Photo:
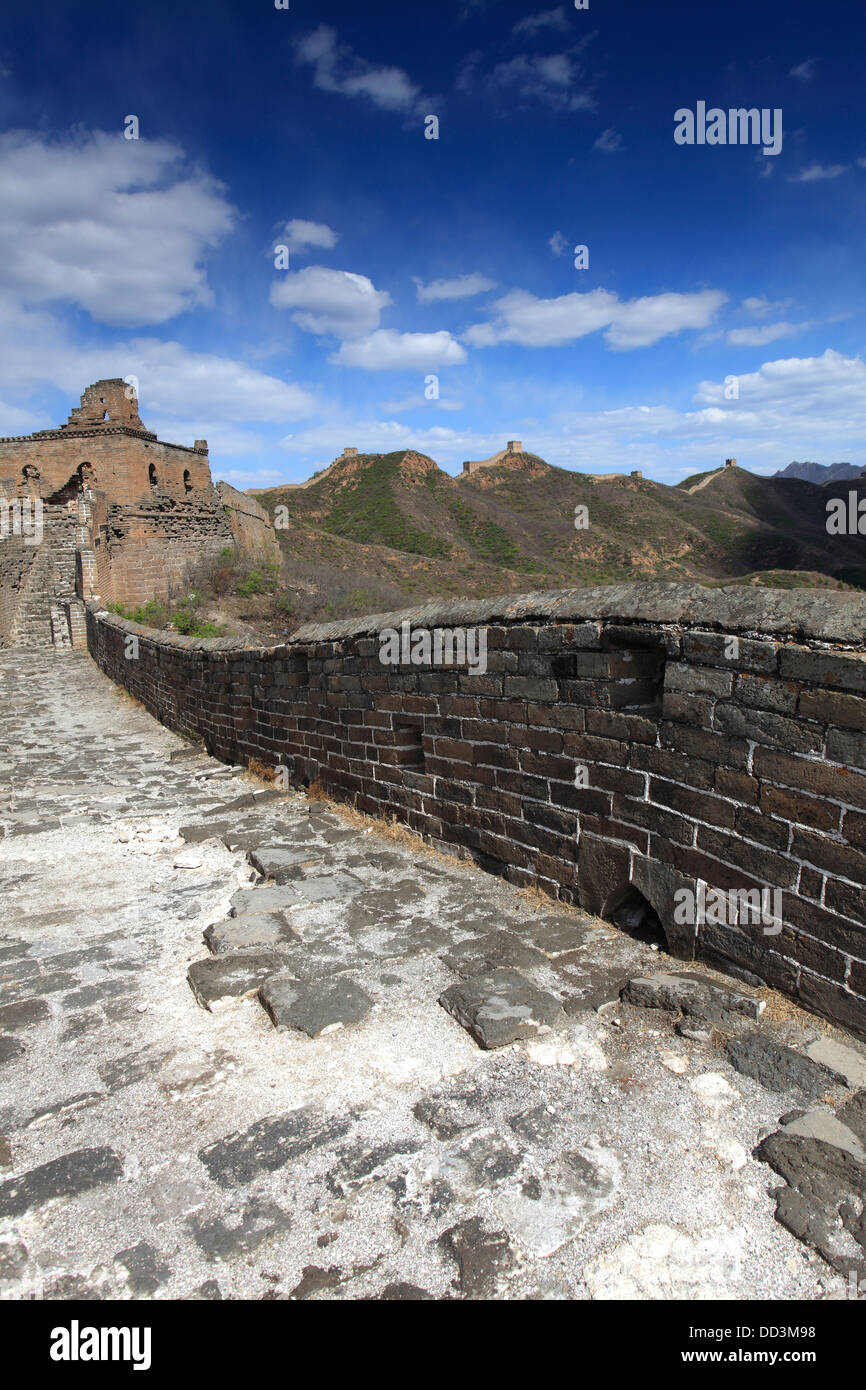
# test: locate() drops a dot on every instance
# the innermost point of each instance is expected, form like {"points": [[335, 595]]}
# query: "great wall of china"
{"points": [[719, 733]]}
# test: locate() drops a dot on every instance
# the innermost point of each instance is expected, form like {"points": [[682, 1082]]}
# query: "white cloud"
{"points": [[553, 79], [420, 402], [461, 287], [642, 322], [115, 227], [804, 71], [816, 173], [390, 351], [335, 302], [609, 141], [299, 234], [558, 244], [546, 19], [337, 69], [522, 318], [759, 308], [760, 335]]}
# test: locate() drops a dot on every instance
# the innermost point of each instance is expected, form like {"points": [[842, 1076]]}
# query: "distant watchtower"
{"points": [[515, 446], [730, 463]]}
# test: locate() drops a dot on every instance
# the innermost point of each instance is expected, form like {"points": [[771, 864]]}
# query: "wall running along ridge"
{"points": [[744, 772]]}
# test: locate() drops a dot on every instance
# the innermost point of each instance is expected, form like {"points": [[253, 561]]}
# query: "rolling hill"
{"points": [[396, 525]]}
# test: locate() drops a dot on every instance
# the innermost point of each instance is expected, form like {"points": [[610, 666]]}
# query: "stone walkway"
{"points": [[162, 1140]]}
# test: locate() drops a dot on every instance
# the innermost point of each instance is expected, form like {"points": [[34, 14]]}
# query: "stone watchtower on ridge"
{"points": [[123, 514]]}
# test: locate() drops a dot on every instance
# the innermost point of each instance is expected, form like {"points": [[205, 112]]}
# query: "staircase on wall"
{"points": [[41, 617]]}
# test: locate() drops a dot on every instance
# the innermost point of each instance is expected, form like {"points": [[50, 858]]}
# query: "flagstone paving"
{"points": [[439, 1093]]}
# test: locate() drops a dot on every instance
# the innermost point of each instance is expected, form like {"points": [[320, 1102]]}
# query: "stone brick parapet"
{"points": [[632, 744]]}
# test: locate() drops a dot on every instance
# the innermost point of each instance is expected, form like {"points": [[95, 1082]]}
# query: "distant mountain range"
{"points": [[396, 523], [822, 472]]}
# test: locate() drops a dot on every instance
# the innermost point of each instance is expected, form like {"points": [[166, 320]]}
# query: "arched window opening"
{"points": [[187, 481], [151, 475]]}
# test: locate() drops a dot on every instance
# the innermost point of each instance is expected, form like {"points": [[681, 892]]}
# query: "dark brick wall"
{"points": [[745, 769]]}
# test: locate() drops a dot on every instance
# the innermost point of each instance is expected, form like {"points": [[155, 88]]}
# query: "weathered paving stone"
{"points": [[207, 830], [360, 1161], [405, 1293], [134, 1067], [822, 1158], [274, 898], [777, 1067], [552, 1207], [207, 1292], [10, 1048], [281, 862], [255, 931], [446, 1117], [314, 1279], [501, 1007], [841, 1062], [558, 938], [482, 1257], [690, 994], [256, 1223], [5, 1152], [145, 1271], [97, 993], [314, 1007], [68, 1176], [497, 949], [230, 977], [13, 1260], [18, 992], [26, 1013], [270, 1143], [317, 890]]}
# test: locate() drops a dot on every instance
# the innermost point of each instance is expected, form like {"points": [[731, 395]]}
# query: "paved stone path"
{"points": [[158, 1140]]}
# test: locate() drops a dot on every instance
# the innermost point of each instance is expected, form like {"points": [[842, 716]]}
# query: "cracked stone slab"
{"points": [[253, 931], [10, 1048], [317, 890], [273, 898], [313, 1007], [24, 1014], [496, 949], [690, 994], [269, 1144], [230, 977], [500, 1007], [776, 1066], [281, 862], [68, 1176]]}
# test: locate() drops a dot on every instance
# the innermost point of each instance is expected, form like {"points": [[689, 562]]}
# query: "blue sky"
{"points": [[721, 313]]}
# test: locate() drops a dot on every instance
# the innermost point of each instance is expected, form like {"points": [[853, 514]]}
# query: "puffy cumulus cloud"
{"points": [[115, 227], [642, 322], [334, 302], [522, 318], [389, 351], [532, 322], [461, 287], [829, 391], [175, 381], [558, 244], [337, 69], [298, 234]]}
